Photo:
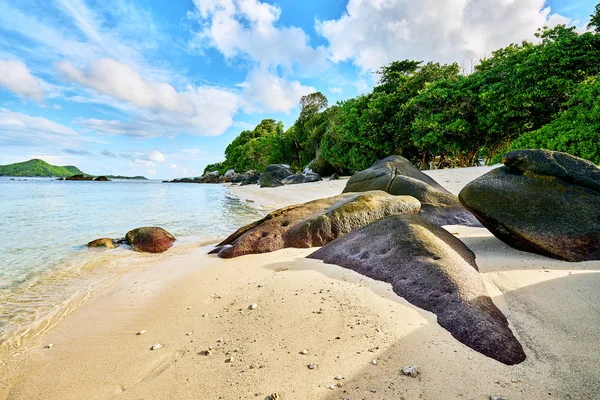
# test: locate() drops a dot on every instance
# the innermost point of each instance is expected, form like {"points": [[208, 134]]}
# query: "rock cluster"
{"points": [[149, 239], [274, 175], [314, 223], [397, 176]]}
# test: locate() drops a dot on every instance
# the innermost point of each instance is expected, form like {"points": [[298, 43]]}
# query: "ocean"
{"points": [[46, 270]]}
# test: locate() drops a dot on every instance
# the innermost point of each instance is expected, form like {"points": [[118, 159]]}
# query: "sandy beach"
{"points": [[213, 346]]}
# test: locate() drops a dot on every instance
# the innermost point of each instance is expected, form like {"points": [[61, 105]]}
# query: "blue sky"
{"points": [[161, 88]]}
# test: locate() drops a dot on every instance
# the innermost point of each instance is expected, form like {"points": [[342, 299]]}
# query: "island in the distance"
{"points": [[40, 168]]}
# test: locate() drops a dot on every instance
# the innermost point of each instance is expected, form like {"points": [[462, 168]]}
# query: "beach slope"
{"points": [[238, 328]]}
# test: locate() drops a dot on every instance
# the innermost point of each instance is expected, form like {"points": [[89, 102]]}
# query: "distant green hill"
{"points": [[37, 168]]}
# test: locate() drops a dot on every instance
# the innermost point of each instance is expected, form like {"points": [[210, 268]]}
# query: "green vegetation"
{"points": [[40, 168], [527, 95], [37, 168]]}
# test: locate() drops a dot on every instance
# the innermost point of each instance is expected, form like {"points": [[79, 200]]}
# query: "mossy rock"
{"points": [[314, 223], [397, 176]]}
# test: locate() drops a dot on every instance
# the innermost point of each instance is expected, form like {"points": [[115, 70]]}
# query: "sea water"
{"points": [[45, 268]]}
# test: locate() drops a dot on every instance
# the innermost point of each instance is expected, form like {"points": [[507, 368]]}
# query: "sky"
{"points": [[155, 88]]}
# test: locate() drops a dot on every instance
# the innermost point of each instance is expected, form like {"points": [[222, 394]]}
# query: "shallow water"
{"points": [[45, 268]]}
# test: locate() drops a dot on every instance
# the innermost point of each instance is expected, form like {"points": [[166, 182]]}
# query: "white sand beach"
{"points": [[191, 302]]}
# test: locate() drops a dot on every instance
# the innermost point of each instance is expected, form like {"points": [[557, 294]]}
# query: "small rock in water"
{"points": [[253, 306], [304, 352], [497, 397], [410, 370], [156, 346], [49, 346], [141, 332], [312, 366], [374, 362]]}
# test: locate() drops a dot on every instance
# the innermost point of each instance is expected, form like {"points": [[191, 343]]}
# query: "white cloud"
{"points": [[123, 82], [15, 76], [22, 129], [374, 33], [19, 121], [336, 90], [157, 107], [157, 156], [265, 91], [246, 28]]}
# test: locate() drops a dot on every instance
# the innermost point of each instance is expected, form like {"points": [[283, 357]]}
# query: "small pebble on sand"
{"points": [[338, 378], [253, 306], [49, 346], [156, 346], [229, 359], [410, 370], [189, 333], [312, 366], [141, 332], [304, 352], [374, 362]]}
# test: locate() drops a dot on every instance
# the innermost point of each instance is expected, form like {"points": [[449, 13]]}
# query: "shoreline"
{"points": [[306, 304]]}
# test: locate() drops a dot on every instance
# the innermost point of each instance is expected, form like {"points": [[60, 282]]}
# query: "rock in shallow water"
{"points": [[150, 239], [433, 270], [103, 242], [543, 202], [314, 223]]}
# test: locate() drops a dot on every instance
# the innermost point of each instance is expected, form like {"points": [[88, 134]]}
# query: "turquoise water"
{"points": [[45, 268]]}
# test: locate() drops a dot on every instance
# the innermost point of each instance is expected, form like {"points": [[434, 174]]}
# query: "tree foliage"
{"points": [[530, 95], [576, 130]]}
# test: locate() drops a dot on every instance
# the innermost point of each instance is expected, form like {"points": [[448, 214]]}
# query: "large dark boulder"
{"points": [[267, 179], [149, 239], [279, 171], [211, 177], [397, 176], [250, 179], [102, 179], [541, 201], [314, 223], [433, 270], [301, 178], [78, 177], [381, 176]]}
